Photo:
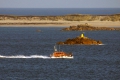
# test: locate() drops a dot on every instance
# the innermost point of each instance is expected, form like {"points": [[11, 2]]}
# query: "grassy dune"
{"points": [[63, 20]]}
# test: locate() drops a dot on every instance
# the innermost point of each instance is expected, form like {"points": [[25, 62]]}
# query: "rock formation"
{"points": [[82, 40], [86, 27]]}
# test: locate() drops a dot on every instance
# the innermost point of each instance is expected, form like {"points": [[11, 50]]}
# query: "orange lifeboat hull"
{"points": [[61, 55]]}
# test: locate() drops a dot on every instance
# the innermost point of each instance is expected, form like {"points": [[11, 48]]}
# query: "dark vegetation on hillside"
{"points": [[72, 17]]}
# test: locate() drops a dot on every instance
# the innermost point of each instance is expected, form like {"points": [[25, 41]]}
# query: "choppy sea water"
{"points": [[24, 55]]}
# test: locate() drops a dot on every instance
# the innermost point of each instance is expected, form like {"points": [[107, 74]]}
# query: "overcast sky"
{"points": [[59, 3]]}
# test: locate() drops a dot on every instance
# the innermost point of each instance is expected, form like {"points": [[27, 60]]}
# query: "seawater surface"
{"points": [[58, 11], [24, 55]]}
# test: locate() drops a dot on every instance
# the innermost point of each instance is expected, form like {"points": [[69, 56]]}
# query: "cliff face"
{"points": [[73, 17], [85, 27], [80, 40]]}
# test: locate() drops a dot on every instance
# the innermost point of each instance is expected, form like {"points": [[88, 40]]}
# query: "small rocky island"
{"points": [[86, 27], [82, 40]]}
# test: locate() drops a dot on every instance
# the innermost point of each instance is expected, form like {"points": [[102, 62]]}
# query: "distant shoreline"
{"points": [[63, 21], [11, 23]]}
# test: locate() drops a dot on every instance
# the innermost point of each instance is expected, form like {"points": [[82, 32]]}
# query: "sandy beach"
{"points": [[48, 23]]}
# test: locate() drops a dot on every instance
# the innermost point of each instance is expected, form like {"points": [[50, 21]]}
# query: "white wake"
{"points": [[101, 44], [23, 56]]}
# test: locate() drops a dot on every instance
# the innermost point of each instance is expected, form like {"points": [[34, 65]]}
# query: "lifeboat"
{"points": [[60, 54]]}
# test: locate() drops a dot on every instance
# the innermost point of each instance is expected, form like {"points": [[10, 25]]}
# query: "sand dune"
{"points": [[61, 23]]}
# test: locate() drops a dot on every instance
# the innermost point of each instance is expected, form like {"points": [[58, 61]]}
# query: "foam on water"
{"points": [[23, 56], [33, 56], [101, 44]]}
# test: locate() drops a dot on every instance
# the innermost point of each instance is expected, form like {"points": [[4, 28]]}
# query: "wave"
{"points": [[101, 44], [23, 56]]}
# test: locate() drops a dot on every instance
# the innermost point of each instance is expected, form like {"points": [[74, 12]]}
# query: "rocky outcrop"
{"points": [[86, 27], [80, 40]]}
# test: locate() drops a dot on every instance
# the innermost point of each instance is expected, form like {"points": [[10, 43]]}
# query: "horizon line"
{"points": [[64, 8]]}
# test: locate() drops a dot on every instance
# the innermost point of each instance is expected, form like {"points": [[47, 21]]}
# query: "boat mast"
{"points": [[55, 49], [59, 48]]}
